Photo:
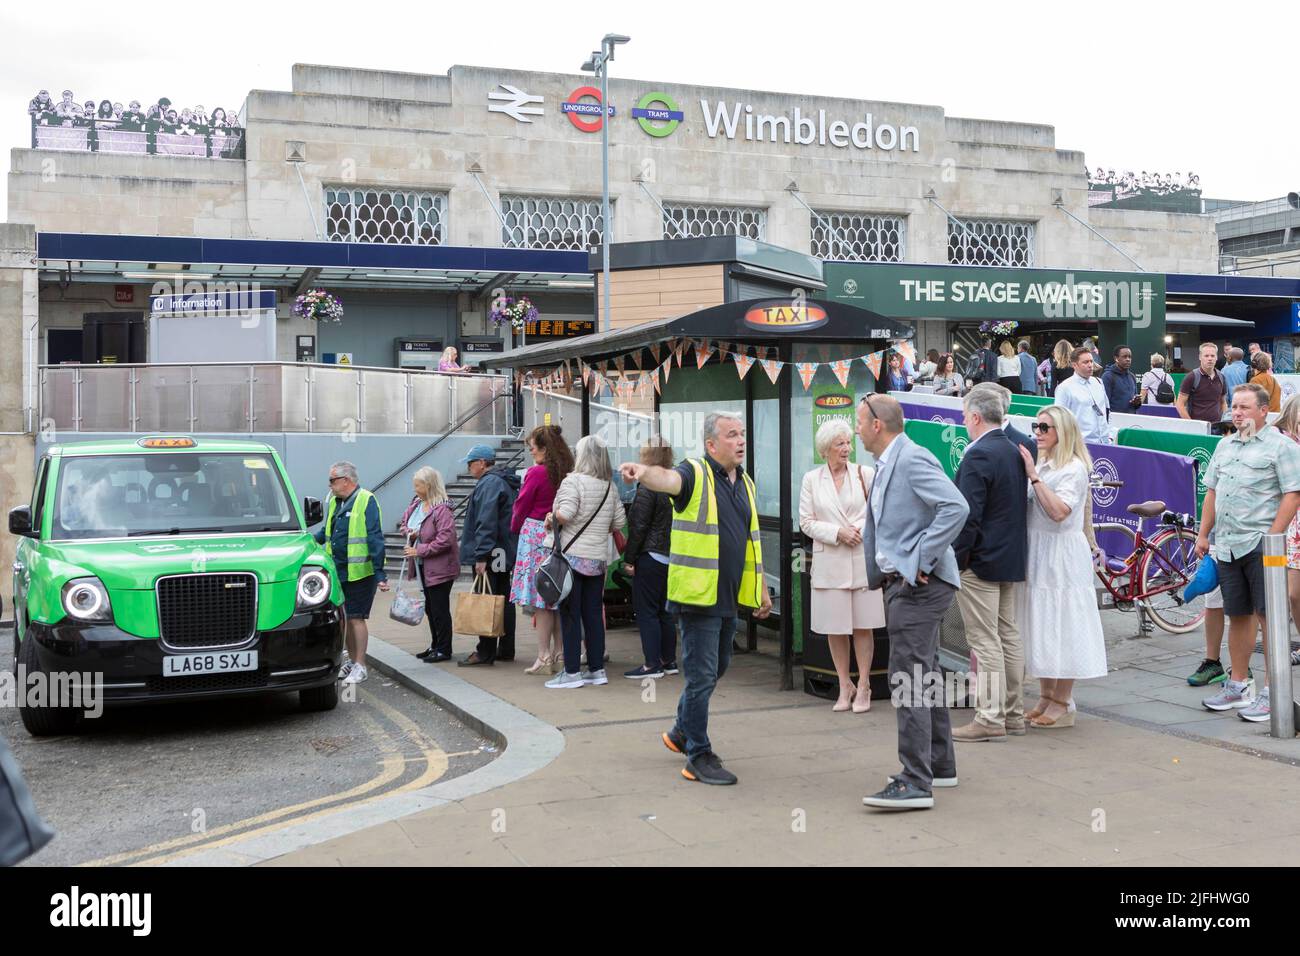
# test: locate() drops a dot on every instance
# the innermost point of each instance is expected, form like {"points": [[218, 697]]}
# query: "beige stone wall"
{"points": [[18, 315], [379, 128]]}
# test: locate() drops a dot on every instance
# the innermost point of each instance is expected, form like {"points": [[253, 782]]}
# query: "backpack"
{"points": [[1165, 390]]}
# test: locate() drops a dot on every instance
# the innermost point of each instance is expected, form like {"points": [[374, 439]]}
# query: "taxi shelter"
{"points": [[783, 364]]}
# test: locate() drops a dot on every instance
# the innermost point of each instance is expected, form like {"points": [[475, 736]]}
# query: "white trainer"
{"points": [[356, 675]]}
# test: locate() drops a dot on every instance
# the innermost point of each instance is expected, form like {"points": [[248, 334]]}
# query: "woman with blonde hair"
{"points": [[430, 527], [1061, 366], [832, 511], [1008, 367], [448, 361], [1056, 608]]}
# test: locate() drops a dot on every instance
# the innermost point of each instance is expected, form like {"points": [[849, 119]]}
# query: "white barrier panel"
{"points": [[1290, 385], [1155, 423], [923, 398]]}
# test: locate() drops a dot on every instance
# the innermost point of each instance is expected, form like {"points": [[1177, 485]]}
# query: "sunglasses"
{"points": [[1041, 428], [334, 478]]}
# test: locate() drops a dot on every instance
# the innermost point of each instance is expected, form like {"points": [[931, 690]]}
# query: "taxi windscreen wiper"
{"points": [[163, 531]]}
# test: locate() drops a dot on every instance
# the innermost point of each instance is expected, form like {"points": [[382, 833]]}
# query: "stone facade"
{"points": [[368, 128]]}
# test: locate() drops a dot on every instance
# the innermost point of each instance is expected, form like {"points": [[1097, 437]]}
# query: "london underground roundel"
{"points": [[656, 107], [585, 116]]}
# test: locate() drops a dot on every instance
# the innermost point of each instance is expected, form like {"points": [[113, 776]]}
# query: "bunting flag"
{"points": [[604, 366], [655, 378], [636, 359], [678, 345], [841, 369], [874, 361], [743, 364], [807, 370], [654, 350], [618, 364], [668, 368], [702, 354], [773, 368], [908, 351]]}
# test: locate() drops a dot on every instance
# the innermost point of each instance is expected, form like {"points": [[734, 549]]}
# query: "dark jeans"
{"points": [[706, 652], [924, 732], [487, 648], [649, 595], [437, 608], [582, 616]]}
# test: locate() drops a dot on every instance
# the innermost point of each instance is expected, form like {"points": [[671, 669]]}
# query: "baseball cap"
{"points": [[480, 453]]}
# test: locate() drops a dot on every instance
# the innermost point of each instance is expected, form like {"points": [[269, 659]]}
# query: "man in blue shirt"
{"points": [[1235, 372], [1028, 370], [359, 593], [1122, 391]]}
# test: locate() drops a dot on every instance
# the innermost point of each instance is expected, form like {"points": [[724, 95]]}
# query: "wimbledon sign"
{"points": [[740, 120]]}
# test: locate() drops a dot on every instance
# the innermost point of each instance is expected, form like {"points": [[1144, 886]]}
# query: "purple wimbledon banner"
{"points": [[1163, 411], [916, 412]]}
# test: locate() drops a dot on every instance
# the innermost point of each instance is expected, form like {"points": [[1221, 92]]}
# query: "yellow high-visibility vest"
{"points": [[693, 547], [359, 563]]}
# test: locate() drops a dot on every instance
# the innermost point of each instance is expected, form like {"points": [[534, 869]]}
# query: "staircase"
{"points": [[511, 453]]}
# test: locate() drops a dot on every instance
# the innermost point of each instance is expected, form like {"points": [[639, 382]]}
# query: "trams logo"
{"points": [[654, 108], [1105, 469]]}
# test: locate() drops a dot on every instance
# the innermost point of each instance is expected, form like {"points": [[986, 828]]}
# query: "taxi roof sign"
{"points": [[166, 443]]}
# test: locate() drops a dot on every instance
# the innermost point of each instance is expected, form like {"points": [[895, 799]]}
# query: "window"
{"points": [[1259, 242], [991, 242], [548, 222], [385, 215], [689, 221], [857, 237]]}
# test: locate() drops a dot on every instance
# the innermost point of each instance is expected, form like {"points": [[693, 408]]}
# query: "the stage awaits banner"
{"points": [[1199, 448]]}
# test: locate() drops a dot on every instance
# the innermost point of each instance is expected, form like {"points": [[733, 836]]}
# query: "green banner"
{"points": [[1199, 447], [1025, 408], [1030, 295], [946, 442], [1039, 401], [831, 401]]}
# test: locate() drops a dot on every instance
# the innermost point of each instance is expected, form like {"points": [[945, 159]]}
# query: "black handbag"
{"points": [[22, 831], [554, 578]]}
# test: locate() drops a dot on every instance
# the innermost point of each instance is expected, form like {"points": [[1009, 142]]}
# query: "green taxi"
{"points": [[172, 568]]}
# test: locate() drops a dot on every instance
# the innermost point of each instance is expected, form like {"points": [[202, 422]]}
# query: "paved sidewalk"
{"points": [[1109, 792]]}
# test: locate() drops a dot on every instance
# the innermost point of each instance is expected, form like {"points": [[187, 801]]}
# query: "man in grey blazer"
{"points": [[914, 514]]}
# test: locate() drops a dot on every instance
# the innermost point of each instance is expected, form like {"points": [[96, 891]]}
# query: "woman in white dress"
{"points": [[1057, 607], [832, 511]]}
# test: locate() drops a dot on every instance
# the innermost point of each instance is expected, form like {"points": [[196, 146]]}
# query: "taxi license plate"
{"points": [[187, 665]]}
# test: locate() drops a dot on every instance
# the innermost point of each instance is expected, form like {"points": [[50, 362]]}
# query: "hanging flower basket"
{"points": [[319, 305], [999, 328], [515, 311]]}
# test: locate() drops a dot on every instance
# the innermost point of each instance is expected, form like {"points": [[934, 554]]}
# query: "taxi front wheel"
{"points": [[44, 719], [319, 698]]}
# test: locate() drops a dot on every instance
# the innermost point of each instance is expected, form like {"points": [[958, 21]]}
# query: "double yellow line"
{"points": [[392, 766]]}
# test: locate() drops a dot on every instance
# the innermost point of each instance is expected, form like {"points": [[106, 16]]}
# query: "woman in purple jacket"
{"points": [[431, 539]]}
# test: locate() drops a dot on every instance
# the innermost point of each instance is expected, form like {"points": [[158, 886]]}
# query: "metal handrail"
{"points": [[464, 419]]}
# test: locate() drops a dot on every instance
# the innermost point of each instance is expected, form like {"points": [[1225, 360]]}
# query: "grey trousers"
{"points": [[924, 729]]}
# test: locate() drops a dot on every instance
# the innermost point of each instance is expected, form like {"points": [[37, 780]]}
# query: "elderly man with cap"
{"points": [[354, 534], [486, 542]]}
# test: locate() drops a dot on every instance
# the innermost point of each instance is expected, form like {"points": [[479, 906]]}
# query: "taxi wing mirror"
{"points": [[311, 509], [20, 521]]}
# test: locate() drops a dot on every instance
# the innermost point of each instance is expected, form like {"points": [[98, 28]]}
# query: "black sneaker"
{"points": [[707, 768], [671, 668], [425, 654], [642, 672], [900, 795], [675, 741], [1210, 672]]}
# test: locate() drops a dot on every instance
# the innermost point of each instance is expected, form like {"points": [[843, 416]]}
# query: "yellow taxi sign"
{"points": [[166, 443]]}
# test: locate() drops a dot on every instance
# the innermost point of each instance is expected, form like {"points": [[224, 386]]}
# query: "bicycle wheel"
{"points": [[1167, 568]]}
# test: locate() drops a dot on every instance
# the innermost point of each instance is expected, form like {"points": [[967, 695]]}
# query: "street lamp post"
{"points": [[598, 63]]}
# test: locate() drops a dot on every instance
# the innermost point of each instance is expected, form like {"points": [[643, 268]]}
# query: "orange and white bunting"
{"points": [[618, 364], [654, 378], [807, 371], [773, 368], [654, 350], [668, 368], [703, 352], [743, 364], [908, 351], [841, 369], [874, 361], [678, 346]]}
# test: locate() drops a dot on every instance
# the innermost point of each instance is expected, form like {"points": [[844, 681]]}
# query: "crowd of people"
{"points": [[162, 116], [1009, 539], [1129, 182]]}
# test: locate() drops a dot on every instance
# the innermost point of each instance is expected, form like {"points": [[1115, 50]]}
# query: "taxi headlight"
{"points": [[86, 599], [313, 587]]}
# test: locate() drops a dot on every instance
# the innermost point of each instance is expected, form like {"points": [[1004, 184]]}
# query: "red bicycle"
{"points": [[1158, 569]]}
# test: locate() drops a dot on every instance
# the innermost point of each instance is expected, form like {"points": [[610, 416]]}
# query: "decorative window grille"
{"points": [[385, 215], [857, 237], [548, 222], [682, 220], [1000, 242]]}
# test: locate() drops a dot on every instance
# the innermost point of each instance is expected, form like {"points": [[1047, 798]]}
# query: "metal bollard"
{"points": [[1282, 717]]}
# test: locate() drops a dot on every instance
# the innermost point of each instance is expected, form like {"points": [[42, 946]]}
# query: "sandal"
{"points": [[537, 666], [862, 708], [1055, 723], [1038, 709]]}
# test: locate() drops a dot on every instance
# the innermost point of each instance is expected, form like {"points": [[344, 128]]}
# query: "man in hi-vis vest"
{"points": [[715, 567], [354, 534]]}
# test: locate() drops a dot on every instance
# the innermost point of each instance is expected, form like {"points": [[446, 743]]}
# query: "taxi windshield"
{"points": [[109, 496]]}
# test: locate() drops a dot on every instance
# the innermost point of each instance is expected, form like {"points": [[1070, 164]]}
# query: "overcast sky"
{"points": [[1202, 87]]}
